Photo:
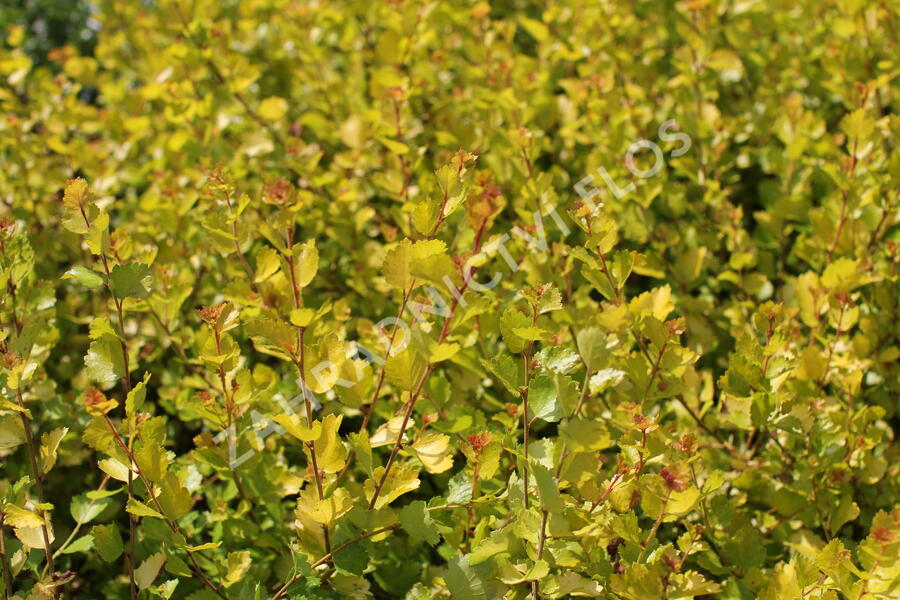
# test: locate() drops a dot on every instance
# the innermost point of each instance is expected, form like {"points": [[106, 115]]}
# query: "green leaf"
{"points": [[858, 125], [139, 509], [691, 584], [352, 559], [605, 379], [107, 541], [19, 517], [434, 451], [84, 511], [400, 480], [98, 436], [152, 461], [504, 369], [274, 335], [418, 523], [77, 194], [539, 570], [306, 262], [548, 488], [145, 574], [97, 237], [463, 581], [847, 510], [104, 362], [510, 321], [296, 426], [85, 277], [267, 264], [302, 317], [459, 489], [81, 544], [136, 397], [592, 347], [582, 435], [543, 400], [12, 433], [102, 328], [411, 264], [535, 29], [558, 359], [128, 281], [530, 333], [833, 557], [405, 369], [330, 451], [174, 498], [393, 145], [238, 563], [746, 549]]}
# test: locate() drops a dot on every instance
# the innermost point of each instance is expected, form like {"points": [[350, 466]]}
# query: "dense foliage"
{"points": [[408, 299]]}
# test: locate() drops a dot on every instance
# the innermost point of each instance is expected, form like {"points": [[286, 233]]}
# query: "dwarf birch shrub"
{"points": [[423, 300]]}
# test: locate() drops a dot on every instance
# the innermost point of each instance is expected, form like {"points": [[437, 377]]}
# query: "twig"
{"points": [[526, 423], [173, 526], [328, 557], [445, 331], [300, 363], [656, 524], [4, 558], [381, 376], [38, 477]]}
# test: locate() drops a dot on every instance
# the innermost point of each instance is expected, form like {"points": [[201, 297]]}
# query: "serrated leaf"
{"points": [[330, 451], [104, 362], [463, 581], [543, 401], [135, 399], [388, 432], [97, 238], [433, 449], [238, 563], [19, 517], [77, 194], [504, 369], [267, 264], [582, 435], [85, 277], [81, 544], [548, 489], [12, 433], [102, 328], [49, 445], [592, 347], [405, 369], [145, 574], [417, 522], [296, 426], [84, 511], [273, 334], [400, 480], [306, 262], [128, 280], [139, 509], [107, 541], [174, 498], [152, 461]]}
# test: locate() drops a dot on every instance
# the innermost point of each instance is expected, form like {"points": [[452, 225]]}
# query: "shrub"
{"points": [[425, 300]]}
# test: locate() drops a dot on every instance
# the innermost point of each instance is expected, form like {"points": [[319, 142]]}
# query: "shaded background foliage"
{"points": [[725, 338], [50, 24]]}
